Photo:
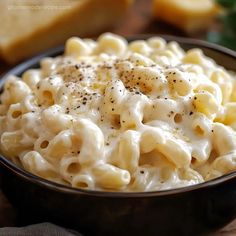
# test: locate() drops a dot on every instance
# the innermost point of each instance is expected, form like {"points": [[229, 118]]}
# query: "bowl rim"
{"points": [[114, 194]]}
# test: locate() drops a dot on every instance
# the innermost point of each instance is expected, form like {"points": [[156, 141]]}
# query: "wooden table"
{"points": [[137, 21]]}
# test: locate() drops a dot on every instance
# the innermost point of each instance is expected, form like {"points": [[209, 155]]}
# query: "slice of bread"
{"points": [[31, 26]]}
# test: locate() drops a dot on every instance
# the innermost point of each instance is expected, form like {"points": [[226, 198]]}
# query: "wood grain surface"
{"points": [[137, 21]]}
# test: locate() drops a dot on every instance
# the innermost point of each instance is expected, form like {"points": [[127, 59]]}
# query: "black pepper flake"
{"points": [[84, 103], [112, 87], [76, 67], [165, 98], [107, 143], [141, 172], [112, 109], [78, 152], [195, 98], [136, 92], [190, 113], [212, 130], [67, 110], [174, 80]]}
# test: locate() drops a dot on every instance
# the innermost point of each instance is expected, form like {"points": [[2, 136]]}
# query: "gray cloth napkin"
{"points": [[44, 229]]}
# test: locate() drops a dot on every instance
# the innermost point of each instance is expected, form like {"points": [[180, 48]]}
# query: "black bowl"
{"points": [[193, 210]]}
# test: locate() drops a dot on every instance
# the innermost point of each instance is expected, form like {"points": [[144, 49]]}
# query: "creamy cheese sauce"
{"points": [[109, 115]]}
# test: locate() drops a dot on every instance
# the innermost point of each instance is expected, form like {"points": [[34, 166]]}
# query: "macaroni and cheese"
{"points": [[119, 116]]}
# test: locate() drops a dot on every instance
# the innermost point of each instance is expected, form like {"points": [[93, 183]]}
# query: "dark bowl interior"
{"points": [[193, 210]]}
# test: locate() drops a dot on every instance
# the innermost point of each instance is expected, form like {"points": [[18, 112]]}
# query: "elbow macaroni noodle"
{"points": [[118, 116]]}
